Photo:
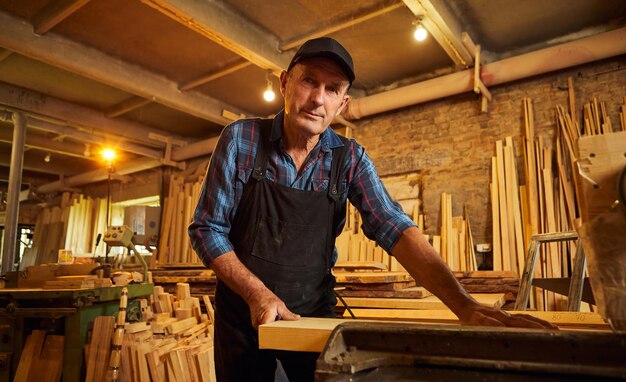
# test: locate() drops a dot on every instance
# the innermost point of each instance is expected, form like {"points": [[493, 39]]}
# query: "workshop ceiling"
{"points": [[184, 68]]}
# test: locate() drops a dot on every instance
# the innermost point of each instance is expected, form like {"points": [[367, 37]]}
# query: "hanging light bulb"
{"points": [[268, 94], [108, 155], [47, 158], [420, 33]]}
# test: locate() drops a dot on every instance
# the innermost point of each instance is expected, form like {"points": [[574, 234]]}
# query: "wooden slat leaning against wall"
{"points": [[550, 200], [74, 224]]}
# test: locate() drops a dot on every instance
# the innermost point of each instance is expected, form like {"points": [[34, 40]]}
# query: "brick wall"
{"points": [[451, 143]]}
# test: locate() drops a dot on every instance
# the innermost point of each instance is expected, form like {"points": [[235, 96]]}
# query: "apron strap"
{"points": [[262, 151]]}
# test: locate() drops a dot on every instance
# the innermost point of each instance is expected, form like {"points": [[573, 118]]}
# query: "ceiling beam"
{"points": [[55, 12], [336, 26], [216, 21], [37, 164], [42, 142], [91, 63], [95, 140], [4, 53], [86, 119], [213, 75], [126, 106], [444, 28], [126, 168]]}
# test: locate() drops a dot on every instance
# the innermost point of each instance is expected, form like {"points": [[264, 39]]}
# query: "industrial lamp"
{"points": [[420, 32], [268, 94]]}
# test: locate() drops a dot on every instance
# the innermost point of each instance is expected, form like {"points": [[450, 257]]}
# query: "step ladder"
{"points": [[578, 273]]}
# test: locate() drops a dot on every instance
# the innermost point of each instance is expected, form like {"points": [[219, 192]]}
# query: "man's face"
{"points": [[315, 92]]}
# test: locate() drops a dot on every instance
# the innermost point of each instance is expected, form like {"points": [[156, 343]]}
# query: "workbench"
{"points": [[77, 307]]}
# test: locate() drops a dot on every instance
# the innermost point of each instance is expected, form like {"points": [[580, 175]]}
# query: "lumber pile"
{"points": [[352, 244], [178, 208], [456, 244], [550, 200], [41, 359], [172, 342], [74, 224], [201, 281]]}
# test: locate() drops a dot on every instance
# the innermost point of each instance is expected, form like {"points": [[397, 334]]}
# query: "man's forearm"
{"points": [[230, 270], [420, 259]]}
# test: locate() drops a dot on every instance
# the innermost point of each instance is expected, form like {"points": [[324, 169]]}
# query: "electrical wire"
{"points": [[344, 304]]}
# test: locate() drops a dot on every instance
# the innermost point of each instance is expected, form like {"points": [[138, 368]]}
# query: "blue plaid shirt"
{"points": [[231, 166]]}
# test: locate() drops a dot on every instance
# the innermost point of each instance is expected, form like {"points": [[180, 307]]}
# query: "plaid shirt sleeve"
{"points": [[383, 218], [211, 220]]}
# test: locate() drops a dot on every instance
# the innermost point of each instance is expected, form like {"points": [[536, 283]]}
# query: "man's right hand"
{"points": [[266, 307]]}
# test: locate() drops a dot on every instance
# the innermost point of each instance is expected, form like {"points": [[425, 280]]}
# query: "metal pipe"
{"points": [[13, 197], [589, 49]]}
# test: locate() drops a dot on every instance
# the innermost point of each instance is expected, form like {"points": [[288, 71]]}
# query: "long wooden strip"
{"points": [[30, 353], [371, 277], [506, 239], [432, 302], [495, 217], [311, 334]]}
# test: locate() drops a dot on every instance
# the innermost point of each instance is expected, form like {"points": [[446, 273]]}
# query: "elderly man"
{"points": [[272, 204]]}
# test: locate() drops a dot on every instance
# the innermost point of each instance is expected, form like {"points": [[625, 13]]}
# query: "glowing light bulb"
{"points": [[420, 33], [47, 158], [268, 94], [108, 155]]}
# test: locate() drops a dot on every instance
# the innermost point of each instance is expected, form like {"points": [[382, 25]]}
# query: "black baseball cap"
{"points": [[328, 48]]}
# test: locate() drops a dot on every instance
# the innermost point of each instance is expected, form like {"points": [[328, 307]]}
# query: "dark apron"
{"points": [[286, 237]]}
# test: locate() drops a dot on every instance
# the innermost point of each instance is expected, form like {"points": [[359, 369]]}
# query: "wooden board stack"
{"points": [[550, 200], [354, 246], [41, 359], [75, 225], [178, 209], [174, 342], [456, 244]]}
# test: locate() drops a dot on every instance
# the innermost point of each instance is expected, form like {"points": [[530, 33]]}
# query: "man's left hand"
{"points": [[485, 316]]}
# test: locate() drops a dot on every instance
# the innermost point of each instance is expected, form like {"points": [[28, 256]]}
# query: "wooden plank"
{"points": [[565, 320], [502, 201], [412, 292], [30, 354], [371, 277], [511, 191], [379, 286], [311, 334], [432, 302], [182, 325], [209, 308], [100, 348], [306, 334], [355, 265]]}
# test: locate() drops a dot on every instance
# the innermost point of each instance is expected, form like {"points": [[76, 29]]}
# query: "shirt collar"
{"points": [[328, 139]]}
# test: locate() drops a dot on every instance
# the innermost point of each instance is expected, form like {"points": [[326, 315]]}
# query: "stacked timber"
{"points": [[173, 342], [41, 359], [456, 244], [178, 208], [201, 281], [550, 200], [74, 224], [352, 244]]}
